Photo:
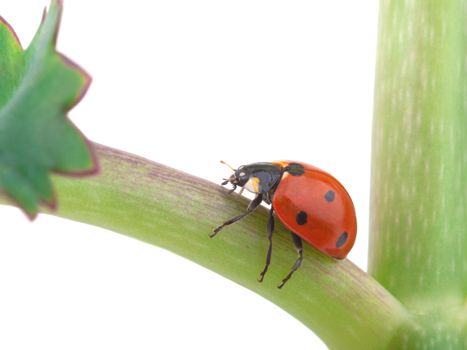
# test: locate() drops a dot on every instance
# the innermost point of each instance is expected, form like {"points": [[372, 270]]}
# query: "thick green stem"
{"points": [[162, 206], [419, 184]]}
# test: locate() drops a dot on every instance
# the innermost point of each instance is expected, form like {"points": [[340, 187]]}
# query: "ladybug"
{"points": [[311, 203]]}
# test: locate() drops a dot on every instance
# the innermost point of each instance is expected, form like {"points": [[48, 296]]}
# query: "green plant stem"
{"points": [[176, 211], [419, 158], [418, 206]]}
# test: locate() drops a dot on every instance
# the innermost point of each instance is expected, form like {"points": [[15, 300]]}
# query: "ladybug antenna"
{"points": [[228, 165]]}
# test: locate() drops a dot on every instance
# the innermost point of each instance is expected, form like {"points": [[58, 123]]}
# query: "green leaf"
{"points": [[37, 88]]}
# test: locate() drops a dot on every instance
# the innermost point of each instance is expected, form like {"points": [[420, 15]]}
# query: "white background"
{"points": [[187, 83]]}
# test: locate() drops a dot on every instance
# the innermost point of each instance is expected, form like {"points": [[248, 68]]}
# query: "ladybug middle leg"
{"points": [[268, 256], [297, 241], [251, 208]]}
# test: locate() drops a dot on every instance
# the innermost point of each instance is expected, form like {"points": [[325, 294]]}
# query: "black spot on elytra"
{"points": [[342, 239], [301, 218], [295, 169], [330, 195]]}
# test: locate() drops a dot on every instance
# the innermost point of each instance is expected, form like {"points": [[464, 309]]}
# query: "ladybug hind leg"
{"points": [[297, 241], [268, 255], [251, 208]]}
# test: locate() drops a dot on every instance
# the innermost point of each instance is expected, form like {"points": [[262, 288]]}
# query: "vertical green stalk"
{"points": [[418, 240]]}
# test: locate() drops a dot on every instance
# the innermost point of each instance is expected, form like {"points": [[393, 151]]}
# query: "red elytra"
{"points": [[311, 203], [316, 206]]}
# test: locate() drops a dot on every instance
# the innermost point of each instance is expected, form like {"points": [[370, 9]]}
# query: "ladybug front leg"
{"points": [[297, 241], [251, 208], [268, 256]]}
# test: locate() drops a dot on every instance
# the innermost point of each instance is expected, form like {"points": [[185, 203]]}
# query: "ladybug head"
{"points": [[239, 178], [256, 177]]}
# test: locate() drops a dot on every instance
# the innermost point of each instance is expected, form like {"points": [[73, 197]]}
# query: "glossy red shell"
{"points": [[315, 206]]}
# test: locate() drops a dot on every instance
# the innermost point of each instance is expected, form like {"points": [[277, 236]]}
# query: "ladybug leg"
{"points": [[251, 208], [268, 256], [232, 189], [297, 241]]}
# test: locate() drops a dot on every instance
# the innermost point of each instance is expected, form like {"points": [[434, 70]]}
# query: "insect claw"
{"points": [[233, 189], [215, 231]]}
